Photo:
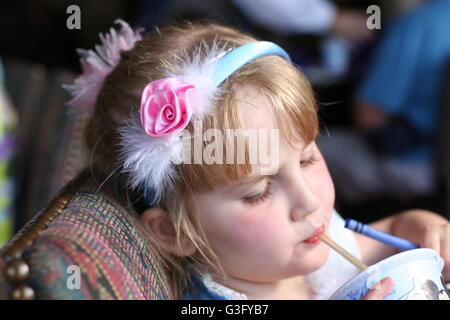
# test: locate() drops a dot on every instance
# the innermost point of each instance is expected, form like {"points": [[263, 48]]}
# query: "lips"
{"points": [[315, 235]]}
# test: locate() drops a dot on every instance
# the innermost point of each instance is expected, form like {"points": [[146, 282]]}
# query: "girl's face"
{"points": [[258, 229]]}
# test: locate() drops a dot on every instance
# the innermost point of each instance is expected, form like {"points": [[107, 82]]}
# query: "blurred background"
{"points": [[382, 92]]}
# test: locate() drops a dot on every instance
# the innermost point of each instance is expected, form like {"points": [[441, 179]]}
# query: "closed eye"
{"points": [[254, 200], [308, 162]]}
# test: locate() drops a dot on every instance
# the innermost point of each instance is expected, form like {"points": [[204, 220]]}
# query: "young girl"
{"points": [[228, 227]]}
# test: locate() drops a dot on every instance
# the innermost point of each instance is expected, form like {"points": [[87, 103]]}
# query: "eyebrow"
{"points": [[249, 180], [255, 179]]}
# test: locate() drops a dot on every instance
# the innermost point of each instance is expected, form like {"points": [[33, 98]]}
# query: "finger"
{"points": [[432, 240], [446, 275], [445, 244], [380, 290], [445, 253]]}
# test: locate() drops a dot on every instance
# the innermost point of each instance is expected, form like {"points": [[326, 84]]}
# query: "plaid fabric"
{"points": [[49, 138], [96, 236], [95, 232]]}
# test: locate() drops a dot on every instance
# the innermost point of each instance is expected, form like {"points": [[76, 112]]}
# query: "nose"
{"points": [[305, 200]]}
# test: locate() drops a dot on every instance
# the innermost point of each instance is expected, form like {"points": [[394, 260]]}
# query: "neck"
{"points": [[295, 288]]}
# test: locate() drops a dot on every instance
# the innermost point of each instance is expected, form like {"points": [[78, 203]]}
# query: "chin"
{"points": [[315, 259]]}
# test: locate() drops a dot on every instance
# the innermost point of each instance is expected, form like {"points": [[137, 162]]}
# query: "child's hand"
{"points": [[427, 229], [380, 290], [437, 237]]}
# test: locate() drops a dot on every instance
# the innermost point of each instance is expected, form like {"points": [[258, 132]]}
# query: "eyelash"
{"points": [[260, 197], [306, 163], [268, 191]]}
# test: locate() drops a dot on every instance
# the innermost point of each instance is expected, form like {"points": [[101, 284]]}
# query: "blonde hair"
{"points": [[287, 90]]}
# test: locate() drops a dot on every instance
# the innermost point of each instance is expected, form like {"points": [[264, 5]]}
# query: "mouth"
{"points": [[315, 235]]}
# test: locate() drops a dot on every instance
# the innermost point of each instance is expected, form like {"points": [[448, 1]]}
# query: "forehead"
{"points": [[256, 110], [258, 113]]}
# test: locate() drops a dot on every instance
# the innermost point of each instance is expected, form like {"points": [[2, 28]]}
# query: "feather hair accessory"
{"points": [[96, 65], [152, 143]]}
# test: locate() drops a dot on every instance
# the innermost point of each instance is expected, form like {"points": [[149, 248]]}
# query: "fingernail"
{"points": [[378, 285]]}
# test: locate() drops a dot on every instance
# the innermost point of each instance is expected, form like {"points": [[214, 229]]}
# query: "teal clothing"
{"points": [[408, 69]]}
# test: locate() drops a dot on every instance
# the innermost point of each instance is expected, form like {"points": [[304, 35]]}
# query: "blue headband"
{"points": [[242, 55], [225, 67]]}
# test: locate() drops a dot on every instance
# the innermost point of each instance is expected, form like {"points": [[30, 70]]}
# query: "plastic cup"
{"points": [[416, 274]]}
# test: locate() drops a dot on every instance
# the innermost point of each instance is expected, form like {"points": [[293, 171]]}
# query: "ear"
{"points": [[158, 223]]}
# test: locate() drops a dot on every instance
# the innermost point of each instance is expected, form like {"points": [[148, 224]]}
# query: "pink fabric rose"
{"points": [[165, 106]]}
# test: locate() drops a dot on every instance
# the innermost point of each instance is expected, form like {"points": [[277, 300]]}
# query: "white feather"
{"points": [[149, 159], [198, 69]]}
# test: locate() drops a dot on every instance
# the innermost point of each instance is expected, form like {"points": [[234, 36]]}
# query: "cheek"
{"points": [[252, 230], [323, 184]]}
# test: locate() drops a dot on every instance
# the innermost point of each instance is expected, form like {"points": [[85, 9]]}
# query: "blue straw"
{"points": [[393, 241]]}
